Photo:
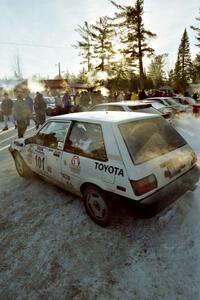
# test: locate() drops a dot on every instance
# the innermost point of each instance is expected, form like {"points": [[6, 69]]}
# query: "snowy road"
{"points": [[49, 248]]}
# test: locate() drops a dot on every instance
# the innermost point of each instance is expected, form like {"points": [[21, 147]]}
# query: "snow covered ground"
{"points": [[49, 248]]}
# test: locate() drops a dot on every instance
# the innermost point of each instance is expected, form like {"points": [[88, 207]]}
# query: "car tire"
{"points": [[21, 167], [98, 208]]}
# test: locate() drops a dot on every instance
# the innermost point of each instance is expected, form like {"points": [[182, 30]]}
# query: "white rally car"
{"points": [[103, 155]]}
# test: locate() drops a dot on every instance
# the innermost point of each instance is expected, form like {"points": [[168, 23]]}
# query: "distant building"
{"points": [[54, 86]]}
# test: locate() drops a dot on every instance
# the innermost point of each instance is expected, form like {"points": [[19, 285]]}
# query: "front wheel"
{"points": [[21, 167], [97, 207]]}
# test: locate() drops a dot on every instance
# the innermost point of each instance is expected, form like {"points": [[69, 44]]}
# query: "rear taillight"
{"points": [[144, 185]]}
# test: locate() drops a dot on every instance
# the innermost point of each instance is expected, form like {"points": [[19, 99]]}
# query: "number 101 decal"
{"points": [[39, 161]]}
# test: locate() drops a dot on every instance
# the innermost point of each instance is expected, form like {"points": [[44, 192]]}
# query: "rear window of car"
{"points": [[149, 110], [150, 138], [107, 108]]}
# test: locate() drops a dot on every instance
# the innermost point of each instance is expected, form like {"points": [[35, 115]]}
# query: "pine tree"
{"points": [[183, 66], [85, 44], [101, 35], [196, 69], [170, 77], [197, 29], [156, 71], [135, 35]]}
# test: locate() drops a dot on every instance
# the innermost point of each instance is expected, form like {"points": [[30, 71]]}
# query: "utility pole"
{"points": [[59, 72]]}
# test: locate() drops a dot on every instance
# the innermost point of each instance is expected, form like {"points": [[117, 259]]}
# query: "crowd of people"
{"points": [[20, 111]]}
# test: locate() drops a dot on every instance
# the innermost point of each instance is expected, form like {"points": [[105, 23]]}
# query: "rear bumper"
{"points": [[170, 193]]}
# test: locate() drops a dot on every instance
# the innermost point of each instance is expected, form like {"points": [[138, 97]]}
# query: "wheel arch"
{"points": [[89, 183]]}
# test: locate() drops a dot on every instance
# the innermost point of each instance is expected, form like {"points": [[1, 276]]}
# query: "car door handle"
{"points": [[56, 153]]}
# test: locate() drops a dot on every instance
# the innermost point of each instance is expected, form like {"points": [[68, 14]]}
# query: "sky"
{"points": [[42, 33]]}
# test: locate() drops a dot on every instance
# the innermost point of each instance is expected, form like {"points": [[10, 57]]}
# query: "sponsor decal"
{"points": [[65, 176], [75, 164], [29, 154], [60, 145], [109, 169], [39, 162], [172, 167], [39, 149]]}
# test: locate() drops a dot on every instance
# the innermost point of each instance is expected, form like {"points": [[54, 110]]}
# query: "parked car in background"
{"points": [[108, 156], [190, 103], [167, 101], [53, 110], [131, 106], [51, 106], [185, 100], [164, 109]]}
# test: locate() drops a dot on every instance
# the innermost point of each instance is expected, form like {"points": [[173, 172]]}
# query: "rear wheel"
{"points": [[97, 207], [21, 167]]}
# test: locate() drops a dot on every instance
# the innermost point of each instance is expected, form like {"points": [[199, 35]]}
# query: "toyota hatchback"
{"points": [[103, 156]]}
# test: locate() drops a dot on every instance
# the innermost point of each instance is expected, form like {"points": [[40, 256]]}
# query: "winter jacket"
{"points": [[6, 107], [19, 110]]}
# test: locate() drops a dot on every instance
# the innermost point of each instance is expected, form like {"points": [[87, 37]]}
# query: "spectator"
{"points": [[134, 96], [121, 96], [66, 100], [85, 99], [186, 94], [165, 93], [20, 114], [142, 95], [7, 106], [40, 109], [29, 107], [77, 99], [195, 96]]}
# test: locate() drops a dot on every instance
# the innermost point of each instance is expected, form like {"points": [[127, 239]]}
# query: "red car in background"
{"points": [[190, 102]]}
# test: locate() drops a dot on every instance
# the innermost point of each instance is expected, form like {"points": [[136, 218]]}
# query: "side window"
{"points": [[100, 108], [53, 134], [86, 139], [115, 108]]}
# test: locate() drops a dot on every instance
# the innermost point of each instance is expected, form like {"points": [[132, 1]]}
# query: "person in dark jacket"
{"points": [[20, 114], [142, 95], [66, 100], [40, 109], [29, 107], [195, 96], [7, 107]]}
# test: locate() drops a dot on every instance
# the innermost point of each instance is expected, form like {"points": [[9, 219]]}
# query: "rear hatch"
{"points": [[157, 154]]}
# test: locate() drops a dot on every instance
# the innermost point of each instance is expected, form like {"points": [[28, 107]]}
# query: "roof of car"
{"points": [[129, 103], [157, 98], [104, 116]]}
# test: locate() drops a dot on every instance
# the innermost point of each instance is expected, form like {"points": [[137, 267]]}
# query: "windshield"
{"points": [[151, 138], [171, 101], [191, 101]]}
